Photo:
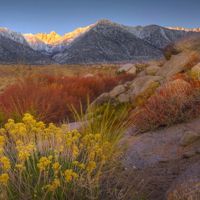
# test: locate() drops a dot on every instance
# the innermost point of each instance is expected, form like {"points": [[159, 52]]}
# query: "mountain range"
{"points": [[102, 42]]}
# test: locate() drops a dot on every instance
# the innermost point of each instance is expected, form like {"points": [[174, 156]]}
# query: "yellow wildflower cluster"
{"points": [[2, 141], [56, 167], [54, 185], [4, 179], [78, 164], [44, 162], [54, 156], [91, 166], [70, 175], [24, 150], [5, 166], [5, 162]]}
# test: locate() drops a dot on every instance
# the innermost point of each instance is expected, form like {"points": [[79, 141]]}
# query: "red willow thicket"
{"points": [[51, 98], [174, 102]]}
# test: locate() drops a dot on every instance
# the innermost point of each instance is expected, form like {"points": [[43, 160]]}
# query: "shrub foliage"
{"points": [[50, 98], [174, 102]]}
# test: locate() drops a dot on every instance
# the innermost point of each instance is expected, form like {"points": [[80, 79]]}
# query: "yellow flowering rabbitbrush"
{"points": [[4, 179], [42, 160], [5, 163]]}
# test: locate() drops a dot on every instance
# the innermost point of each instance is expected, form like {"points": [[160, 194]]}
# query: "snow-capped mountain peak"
{"points": [[178, 28]]}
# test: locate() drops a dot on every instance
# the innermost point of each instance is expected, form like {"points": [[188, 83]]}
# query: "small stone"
{"points": [[89, 75], [189, 138], [189, 154]]}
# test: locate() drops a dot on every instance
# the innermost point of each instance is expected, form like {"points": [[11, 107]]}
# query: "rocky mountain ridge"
{"points": [[16, 50], [104, 41]]}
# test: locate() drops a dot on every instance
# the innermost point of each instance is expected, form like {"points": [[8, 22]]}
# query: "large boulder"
{"points": [[104, 98], [187, 185], [177, 63], [125, 68], [152, 70], [128, 68], [117, 90], [141, 84], [129, 91], [124, 97], [132, 70], [189, 138]]}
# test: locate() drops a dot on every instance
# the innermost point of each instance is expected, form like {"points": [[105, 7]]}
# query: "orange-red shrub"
{"points": [[175, 102], [50, 98]]}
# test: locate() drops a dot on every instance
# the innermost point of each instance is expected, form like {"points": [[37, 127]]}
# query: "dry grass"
{"points": [[10, 73]]}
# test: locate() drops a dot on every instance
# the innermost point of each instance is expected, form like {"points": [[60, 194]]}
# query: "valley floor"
{"points": [[10, 73], [158, 100]]}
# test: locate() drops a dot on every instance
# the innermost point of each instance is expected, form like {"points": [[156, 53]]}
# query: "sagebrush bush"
{"points": [[50, 98], [39, 161], [174, 102]]}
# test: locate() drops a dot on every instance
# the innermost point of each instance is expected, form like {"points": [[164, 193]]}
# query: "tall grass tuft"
{"points": [[108, 120]]}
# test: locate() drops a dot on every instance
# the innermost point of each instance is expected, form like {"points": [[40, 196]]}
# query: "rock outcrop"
{"points": [[158, 158], [129, 91], [177, 64], [163, 145], [125, 68], [152, 70]]}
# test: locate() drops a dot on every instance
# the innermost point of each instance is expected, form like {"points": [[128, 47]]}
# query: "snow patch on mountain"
{"points": [[17, 37], [184, 29], [37, 44]]}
